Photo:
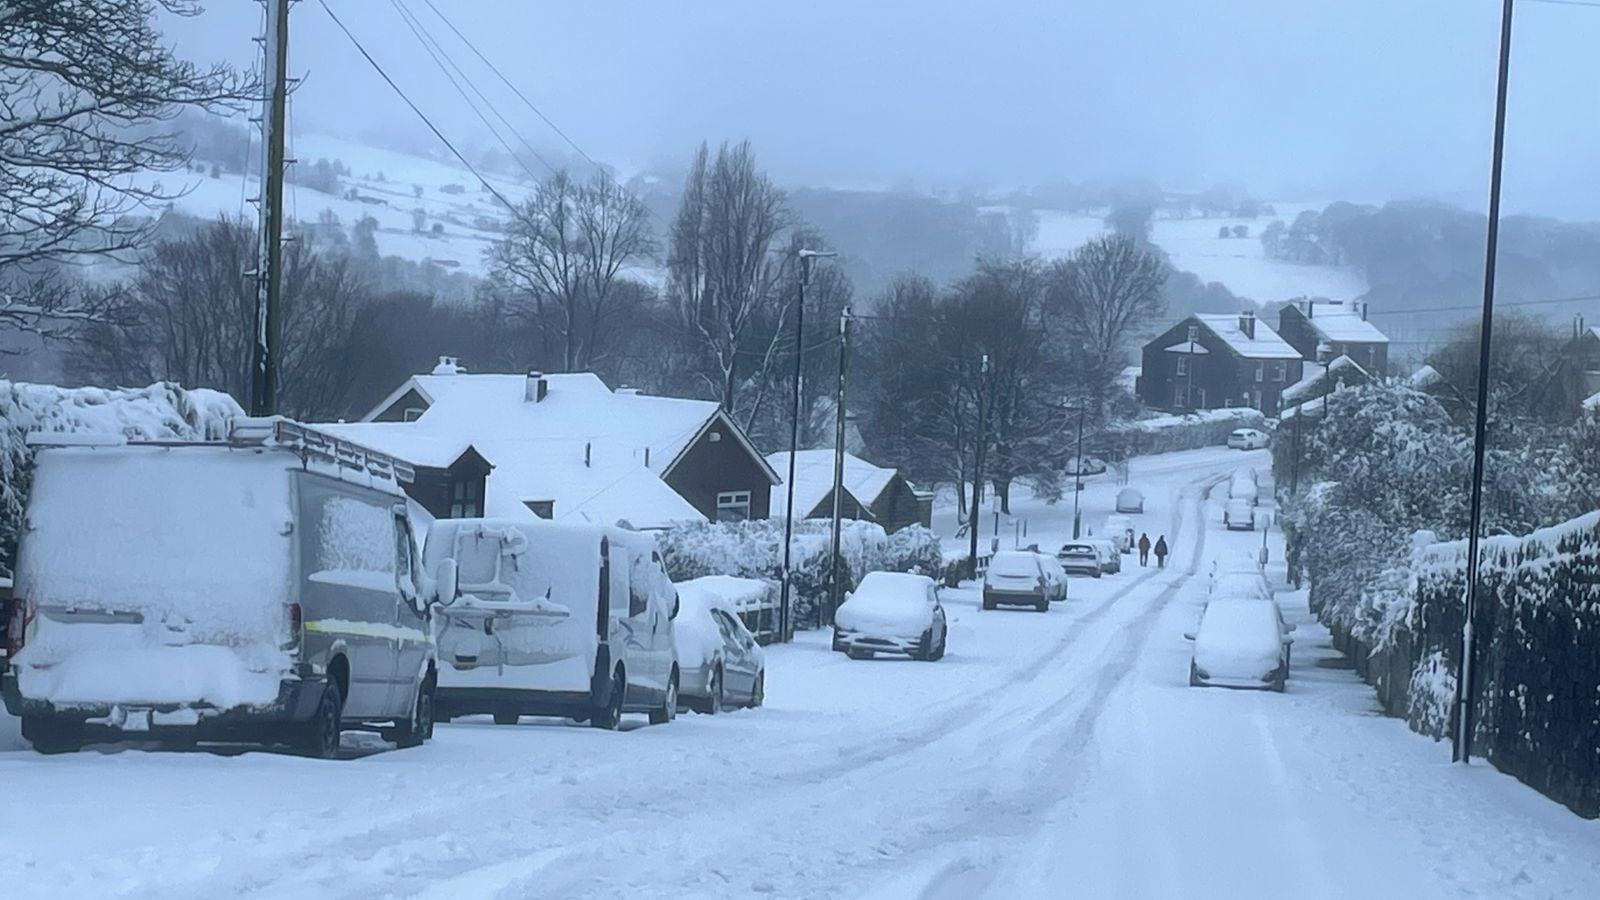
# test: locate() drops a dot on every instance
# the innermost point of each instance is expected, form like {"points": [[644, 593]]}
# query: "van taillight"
{"points": [[296, 625], [16, 626]]}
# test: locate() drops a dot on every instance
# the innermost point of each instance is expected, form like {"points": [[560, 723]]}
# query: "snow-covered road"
{"points": [[1057, 755]]}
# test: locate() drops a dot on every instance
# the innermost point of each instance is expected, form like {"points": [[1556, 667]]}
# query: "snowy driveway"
{"points": [[1056, 755]]}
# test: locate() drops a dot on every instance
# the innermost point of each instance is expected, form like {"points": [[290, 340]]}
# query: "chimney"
{"points": [[537, 386], [629, 391], [448, 365], [1363, 310], [1247, 324]]}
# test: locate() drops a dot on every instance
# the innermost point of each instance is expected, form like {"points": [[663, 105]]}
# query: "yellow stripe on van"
{"points": [[368, 629]]}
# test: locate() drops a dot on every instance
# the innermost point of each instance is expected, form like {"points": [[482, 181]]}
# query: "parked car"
{"points": [[196, 592], [1239, 515], [1081, 558], [1240, 585], [1088, 465], [1130, 500], [548, 619], [1054, 574], [720, 664], [897, 613], [1110, 555], [1239, 643], [1016, 578], [1119, 530], [1244, 486], [1247, 439]]}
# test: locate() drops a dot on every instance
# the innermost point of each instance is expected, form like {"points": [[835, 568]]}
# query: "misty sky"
{"points": [[1362, 99]]}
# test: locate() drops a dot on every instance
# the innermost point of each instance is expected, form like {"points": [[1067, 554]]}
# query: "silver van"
{"points": [[265, 589]]}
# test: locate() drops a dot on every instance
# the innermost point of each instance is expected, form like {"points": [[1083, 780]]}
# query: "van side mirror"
{"points": [[1188, 635], [677, 604], [446, 582]]}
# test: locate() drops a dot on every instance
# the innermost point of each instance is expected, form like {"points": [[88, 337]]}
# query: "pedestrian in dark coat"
{"points": [[1161, 552], [1144, 549]]}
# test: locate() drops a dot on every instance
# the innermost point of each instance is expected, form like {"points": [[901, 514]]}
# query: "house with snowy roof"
{"points": [[871, 493], [1340, 327], [569, 448], [1215, 361]]}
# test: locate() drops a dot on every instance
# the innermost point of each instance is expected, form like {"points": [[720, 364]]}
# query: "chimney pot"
{"points": [[1247, 324], [537, 386]]}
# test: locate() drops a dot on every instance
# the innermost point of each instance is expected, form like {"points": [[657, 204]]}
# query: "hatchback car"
{"points": [[1110, 555], [1240, 643], [719, 662], [1081, 558], [1017, 578], [896, 613], [1247, 439], [1239, 515], [1130, 500]]}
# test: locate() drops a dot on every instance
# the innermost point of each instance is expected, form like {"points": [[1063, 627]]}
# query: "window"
{"points": [[733, 506], [1261, 371], [412, 413], [1280, 371], [466, 501], [1178, 397], [1183, 365], [1372, 356], [544, 509], [1194, 333]]}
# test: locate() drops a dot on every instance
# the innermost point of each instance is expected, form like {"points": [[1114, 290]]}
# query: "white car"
{"points": [[719, 662], [1055, 574], [1130, 500], [1110, 555], [1248, 439], [1239, 515], [897, 613], [1240, 586], [1081, 558], [1017, 578], [1088, 465], [1244, 486], [1240, 643]]}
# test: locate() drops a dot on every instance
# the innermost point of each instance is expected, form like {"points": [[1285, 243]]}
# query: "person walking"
{"points": [[1144, 549], [1161, 552]]}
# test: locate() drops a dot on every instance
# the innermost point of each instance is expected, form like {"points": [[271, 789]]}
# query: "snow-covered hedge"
{"points": [[754, 549], [159, 412], [1168, 434]]}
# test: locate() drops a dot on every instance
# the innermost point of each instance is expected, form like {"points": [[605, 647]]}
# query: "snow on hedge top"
{"points": [[813, 480], [1540, 547], [160, 411], [1266, 344], [1593, 402], [1242, 415]]}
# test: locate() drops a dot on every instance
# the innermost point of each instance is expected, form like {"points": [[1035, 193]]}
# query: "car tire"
{"points": [[668, 710], [758, 693], [1194, 677], [320, 738], [1278, 684], [853, 653], [988, 604], [838, 643], [1042, 606], [714, 693], [938, 654], [420, 728], [506, 718], [609, 717], [52, 736], [925, 646]]}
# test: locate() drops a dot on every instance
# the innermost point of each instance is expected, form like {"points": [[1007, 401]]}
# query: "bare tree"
{"points": [[568, 249], [85, 86], [1106, 290], [721, 277]]}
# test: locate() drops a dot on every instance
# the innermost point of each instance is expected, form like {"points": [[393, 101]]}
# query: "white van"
{"points": [[547, 619], [262, 589], [1119, 530]]}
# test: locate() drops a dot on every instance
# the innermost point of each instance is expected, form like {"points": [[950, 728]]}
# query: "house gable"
{"points": [[898, 506], [719, 461], [405, 405]]}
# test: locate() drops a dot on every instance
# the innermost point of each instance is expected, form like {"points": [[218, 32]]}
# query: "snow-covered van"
{"points": [[263, 589], [549, 619]]}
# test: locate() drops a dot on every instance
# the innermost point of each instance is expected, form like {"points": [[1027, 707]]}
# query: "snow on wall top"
{"points": [[1318, 375], [1336, 320], [813, 479], [1265, 345]]}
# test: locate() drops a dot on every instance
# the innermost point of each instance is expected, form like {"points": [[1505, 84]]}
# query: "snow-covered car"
{"points": [[1240, 586], [1240, 643], [1054, 574], [1088, 465], [1081, 558], [720, 665], [1239, 515], [1130, 500], [1016, 578], [1244, 486], [1247, 439], [262, 590], [1119, 530], [551, 619], [897, 613], [1110, 555]]}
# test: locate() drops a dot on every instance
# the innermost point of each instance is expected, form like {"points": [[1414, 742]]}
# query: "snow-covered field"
{"points": [[1056, 755], [1239, 264]]}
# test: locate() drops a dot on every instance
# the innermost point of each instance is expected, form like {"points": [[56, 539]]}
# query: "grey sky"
{"points": [[1368, 99]]}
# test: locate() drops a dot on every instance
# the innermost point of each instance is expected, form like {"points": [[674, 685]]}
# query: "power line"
{"points": [[1476, 307], [1589, 3], [414, 108], [508, 83]]}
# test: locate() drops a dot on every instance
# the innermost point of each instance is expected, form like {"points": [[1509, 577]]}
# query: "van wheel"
{"points": [[420, 728], [506, 718], [669, 706], [609, 717], [320, 740], [52, 736]]}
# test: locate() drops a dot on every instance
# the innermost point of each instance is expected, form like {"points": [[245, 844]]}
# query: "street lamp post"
{"points": [[834, 594], [785, 599], [1077, 472], [977, 470]]}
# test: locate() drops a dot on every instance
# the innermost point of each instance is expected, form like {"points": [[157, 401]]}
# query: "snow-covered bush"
{"points": [[1168, 434], [161, 411], [754, 549]]}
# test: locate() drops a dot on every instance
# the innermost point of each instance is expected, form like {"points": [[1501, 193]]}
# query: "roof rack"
{"points": [[313, 444]]}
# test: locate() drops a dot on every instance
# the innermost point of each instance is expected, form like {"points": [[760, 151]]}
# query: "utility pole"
{"points": [[977, 468], [1462, 750], [834, 594], [785, 598], [269, 257], [1077, 479]]}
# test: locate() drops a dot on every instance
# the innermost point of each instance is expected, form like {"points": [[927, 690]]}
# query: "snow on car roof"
{"points": [[813, 479], [1265, 345], [1240, 619]]}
